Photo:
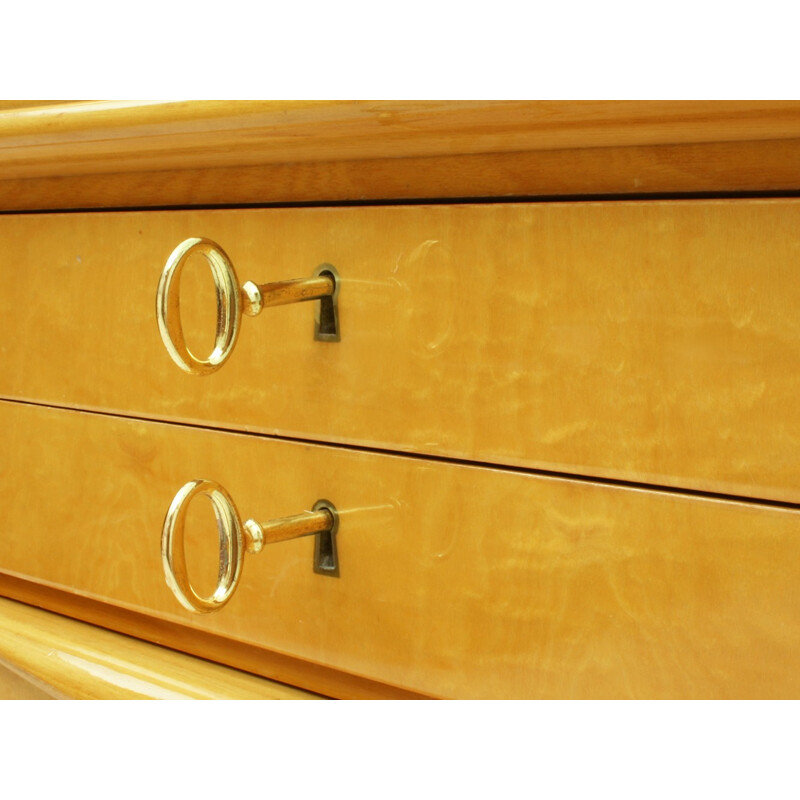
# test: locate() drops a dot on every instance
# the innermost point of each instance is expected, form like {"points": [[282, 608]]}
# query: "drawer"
{"points": [[657, 342], [455, 581]]}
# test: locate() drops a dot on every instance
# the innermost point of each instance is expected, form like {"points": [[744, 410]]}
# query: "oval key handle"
{"points": [[234, 538], [232, 300]]}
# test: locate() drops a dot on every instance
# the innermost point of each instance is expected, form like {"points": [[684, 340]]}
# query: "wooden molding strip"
{"points": [[719, 167], [97, 137], [69, 659], [275, 666]]}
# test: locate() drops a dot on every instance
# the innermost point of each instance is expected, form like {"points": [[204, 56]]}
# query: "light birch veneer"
{"points": [[559, 427]]}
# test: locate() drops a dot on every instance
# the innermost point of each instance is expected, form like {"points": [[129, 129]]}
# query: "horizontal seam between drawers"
{"points": [[463, 462], [788, 194]]}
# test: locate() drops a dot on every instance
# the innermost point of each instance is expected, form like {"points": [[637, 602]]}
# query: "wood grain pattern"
{"points": [[281, 667], [656, 342], [456, 581], [72, 660], [411, 151], [8, 105], [114, 136], [17, 685], [717, 167]]}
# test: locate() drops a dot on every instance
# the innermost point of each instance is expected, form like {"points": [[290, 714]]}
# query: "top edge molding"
{"points": [[101, 137]]}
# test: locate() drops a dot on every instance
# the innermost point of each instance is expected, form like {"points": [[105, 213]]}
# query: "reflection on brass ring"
{"points": [[229, 313], [173, 553]]}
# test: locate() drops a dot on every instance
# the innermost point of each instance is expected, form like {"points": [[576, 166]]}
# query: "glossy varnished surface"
{"points": [[286, 669], [121, 136], [742, 166], [655, 342], [111, 154], [55, 656], [455, 581], [17, 685]]}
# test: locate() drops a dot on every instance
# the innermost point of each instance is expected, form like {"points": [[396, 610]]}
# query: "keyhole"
{"points": [[326, 316], [326, 556]]}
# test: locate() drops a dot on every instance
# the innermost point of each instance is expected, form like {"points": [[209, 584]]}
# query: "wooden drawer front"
{"points": [[657, 342], [455, 581]]}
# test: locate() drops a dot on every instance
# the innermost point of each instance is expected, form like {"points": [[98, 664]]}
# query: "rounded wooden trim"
{"points": [[64, 658], [97, 137], [277, 667], [713, 168]]}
